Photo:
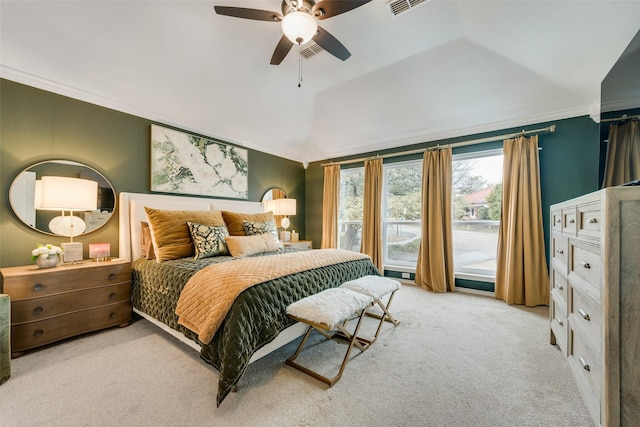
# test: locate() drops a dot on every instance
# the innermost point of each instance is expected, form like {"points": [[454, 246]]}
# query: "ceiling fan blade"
{"points": [[331, 44], [282, 49], [243, 12], [328, 8]]}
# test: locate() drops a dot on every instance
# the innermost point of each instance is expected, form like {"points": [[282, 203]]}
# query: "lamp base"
{"points": [[71, 252], [285, 236]]}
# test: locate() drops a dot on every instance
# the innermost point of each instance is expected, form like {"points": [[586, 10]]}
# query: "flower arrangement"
{"points": [[45, 251]]}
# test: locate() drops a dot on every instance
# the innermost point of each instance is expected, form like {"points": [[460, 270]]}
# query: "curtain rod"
{"points": [[618, 119], [551, 128]]}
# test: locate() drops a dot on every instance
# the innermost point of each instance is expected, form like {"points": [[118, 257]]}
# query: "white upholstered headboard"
{"points": [[132, 213]]}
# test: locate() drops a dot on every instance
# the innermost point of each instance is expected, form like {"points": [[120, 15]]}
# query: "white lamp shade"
{"points": [[299, 27], [285, 207], [62, 193], [269, 206]]}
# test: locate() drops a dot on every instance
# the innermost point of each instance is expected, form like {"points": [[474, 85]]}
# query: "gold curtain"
{"points": [[371, 220], [330, 202], [623, 154], [434, 270], [521, 271]]}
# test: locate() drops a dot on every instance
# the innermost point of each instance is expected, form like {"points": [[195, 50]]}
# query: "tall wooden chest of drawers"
{"points": [[595, 299], [48, 305]]}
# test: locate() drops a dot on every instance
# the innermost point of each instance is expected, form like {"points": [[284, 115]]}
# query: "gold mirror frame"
{"points": [[22, 189]]}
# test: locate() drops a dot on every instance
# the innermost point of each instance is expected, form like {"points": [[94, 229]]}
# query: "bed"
{"points": [[255, 323]]}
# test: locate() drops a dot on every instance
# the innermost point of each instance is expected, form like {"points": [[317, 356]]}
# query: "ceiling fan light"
{"points": [[299, 27]]}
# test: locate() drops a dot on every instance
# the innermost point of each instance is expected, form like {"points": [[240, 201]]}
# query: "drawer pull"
{"points": [[112, 295], [38, 287], [112, 276], [558, 221], [112, 315], [592, 220], [572, 221], [561, 287], [560, 251], [585, 365], [38, 333], [38, 310], [585, 264], [584, 314], [560, 322]]}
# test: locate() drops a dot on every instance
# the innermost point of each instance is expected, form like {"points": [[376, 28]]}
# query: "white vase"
{"points": [[48, 262]]}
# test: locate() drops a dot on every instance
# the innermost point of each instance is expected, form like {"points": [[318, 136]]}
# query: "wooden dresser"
{"points": [[51, 304], [595, 299]]}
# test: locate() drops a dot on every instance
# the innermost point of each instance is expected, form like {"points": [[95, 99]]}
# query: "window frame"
{"points": [[470, 275], [394, 265]]}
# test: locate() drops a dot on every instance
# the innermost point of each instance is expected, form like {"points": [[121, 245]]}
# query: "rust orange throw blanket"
{"points": [[209, 294]]}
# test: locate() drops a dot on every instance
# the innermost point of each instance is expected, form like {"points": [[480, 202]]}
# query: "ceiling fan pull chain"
{"points": [[299, 66]]}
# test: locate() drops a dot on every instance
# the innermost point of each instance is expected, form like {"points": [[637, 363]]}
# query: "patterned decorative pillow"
{"points": [[252, 228], [208, 240]]}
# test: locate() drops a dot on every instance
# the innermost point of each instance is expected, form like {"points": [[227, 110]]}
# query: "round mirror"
{"points": [[273, 193], [62, 198]]}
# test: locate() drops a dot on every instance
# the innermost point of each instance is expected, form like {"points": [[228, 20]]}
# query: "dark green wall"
{"points": [[569, 163], [36, 125]]}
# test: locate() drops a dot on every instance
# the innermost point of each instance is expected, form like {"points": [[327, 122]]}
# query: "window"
{"points": [[350, 209], [476, 197], [402, 213]]}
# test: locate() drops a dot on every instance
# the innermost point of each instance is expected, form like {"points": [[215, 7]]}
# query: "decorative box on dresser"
{"points": [[51, 304], [595, 299]]}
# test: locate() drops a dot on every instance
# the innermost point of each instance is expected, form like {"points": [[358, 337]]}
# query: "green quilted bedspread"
{"points": [[255, 319]]}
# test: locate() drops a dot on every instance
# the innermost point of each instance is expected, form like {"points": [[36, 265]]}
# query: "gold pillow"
{"points": [[240, 246], [170, 233], [234, 220]]}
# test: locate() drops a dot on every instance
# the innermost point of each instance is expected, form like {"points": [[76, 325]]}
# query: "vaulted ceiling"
{"points": [[440, 69]]}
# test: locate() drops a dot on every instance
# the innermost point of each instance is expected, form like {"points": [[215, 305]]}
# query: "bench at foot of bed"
{"points": [[327, 311]]}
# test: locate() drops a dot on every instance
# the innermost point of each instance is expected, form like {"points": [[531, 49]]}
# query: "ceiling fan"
{"points": [[299, 23]]}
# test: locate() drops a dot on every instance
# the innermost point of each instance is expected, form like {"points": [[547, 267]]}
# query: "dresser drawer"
{"points": [[559, 324], [30, 335], [38, 283], [589, 220], [559, 285], [587, 372], [586, 264], [569, 221], [42, 308], [559, 252], [585, 315], [556, 220]]}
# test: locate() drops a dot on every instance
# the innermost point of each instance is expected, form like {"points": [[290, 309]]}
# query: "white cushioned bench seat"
{"points": [[325, 311], [376, 287], [329, 307]]}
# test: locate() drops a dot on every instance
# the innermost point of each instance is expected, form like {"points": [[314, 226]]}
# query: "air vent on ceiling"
{"points": [[311, 50], [398, 6]]}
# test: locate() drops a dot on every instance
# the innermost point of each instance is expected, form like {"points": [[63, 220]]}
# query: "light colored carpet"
{"points": [[454, 360]]}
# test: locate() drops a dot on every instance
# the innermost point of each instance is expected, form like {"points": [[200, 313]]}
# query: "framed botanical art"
{"points": [[187, 164]]}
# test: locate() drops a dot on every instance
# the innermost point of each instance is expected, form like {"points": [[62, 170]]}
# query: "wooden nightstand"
{"points": [[48, 305], [300, 244]]}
